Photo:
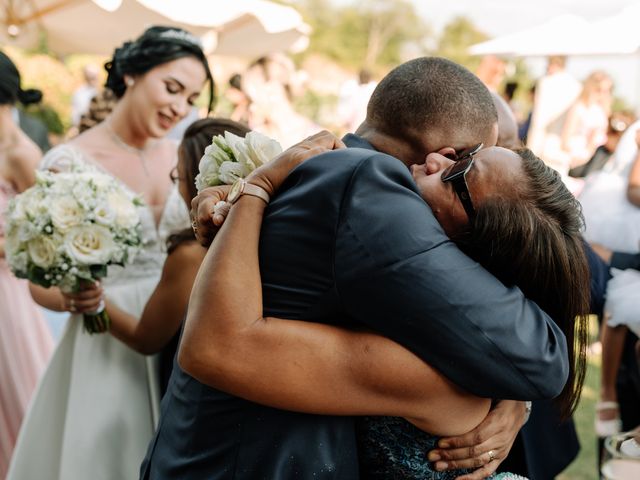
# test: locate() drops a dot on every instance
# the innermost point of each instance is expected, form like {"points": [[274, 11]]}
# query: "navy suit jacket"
{"points": [[348, 240]]}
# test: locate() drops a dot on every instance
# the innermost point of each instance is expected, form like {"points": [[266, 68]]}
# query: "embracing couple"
{"points": [[337, 320]]}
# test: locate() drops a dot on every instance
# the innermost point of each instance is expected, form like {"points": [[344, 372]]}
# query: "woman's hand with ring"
{"points": [[88, 300], [486, 446]]}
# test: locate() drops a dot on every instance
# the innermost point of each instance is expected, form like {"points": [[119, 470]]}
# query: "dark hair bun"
{"points": [[29, 96]]}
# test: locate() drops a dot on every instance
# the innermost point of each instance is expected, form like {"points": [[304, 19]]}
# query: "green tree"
{"points": [[370, 34], [456, 38]]}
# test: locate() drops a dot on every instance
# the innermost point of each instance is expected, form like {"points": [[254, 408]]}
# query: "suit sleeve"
{"points": [[398, 274]]}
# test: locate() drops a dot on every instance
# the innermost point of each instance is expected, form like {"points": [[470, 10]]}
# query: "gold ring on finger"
{"points": [[492, 455]]}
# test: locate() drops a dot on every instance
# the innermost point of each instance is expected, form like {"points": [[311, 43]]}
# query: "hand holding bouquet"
{"points": [[66, 229]]}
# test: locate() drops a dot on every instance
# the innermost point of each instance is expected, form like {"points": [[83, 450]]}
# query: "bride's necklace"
{"points": [[138, 152]]}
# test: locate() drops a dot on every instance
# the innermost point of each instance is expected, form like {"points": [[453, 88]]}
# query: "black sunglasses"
{"points": [[456, 174]]}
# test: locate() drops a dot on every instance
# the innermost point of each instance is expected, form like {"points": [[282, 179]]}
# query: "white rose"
{"points": [[42, 251], [261, 148], [235, 144], [104, 214], [208, 175], [89, 244], [100, 180], [66, 212], [219, 150], [231, 171], [35, 205], [25, 232], [126, 213]]}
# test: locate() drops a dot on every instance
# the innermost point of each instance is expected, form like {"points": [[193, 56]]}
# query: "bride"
{"points": [[93, 413]]}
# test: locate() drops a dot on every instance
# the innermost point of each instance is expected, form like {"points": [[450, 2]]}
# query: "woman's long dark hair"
{"points": [[156, 46], [534, 240], [196, 138]]}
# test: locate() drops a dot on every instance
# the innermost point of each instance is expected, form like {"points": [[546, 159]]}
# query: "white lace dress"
{"points": [[95, 409]]}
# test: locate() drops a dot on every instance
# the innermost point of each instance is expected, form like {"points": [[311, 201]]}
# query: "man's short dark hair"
{"points": [[431, 93]]}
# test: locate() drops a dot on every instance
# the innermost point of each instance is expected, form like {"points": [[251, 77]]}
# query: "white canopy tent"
{"points": [[248, 28], [570, 35], [611, 44]]}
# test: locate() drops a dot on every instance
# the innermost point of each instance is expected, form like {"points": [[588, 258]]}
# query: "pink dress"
{"points": [[25, 347]]}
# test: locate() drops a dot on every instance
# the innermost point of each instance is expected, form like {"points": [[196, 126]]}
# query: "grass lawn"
{"points": [[585, 466]]}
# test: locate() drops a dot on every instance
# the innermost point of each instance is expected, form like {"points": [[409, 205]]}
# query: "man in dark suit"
{"points": [[351, 241]]}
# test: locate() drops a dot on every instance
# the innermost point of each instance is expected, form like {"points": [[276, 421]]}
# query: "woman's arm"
{"points": [[633, 189], [49, 298], [23, 163], [166, 307], [298, 365]]}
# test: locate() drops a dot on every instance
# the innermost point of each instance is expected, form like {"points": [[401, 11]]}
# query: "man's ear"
{"points": [[448, 152]]}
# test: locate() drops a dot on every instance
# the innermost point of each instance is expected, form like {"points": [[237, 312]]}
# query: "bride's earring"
{"points": [[129, 82]]}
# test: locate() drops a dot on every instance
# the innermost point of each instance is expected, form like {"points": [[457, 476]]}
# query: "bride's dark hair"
{"points": [[156, 46]]}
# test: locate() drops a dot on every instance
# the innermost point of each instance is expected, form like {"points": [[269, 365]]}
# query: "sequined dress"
{"points": [[391, 448]]}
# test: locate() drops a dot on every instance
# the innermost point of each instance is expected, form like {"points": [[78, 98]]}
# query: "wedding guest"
{"points": [[357, 246], [271, 83], [94, 411], [555, 92], [100, 108], [25, 341], [618, 123], [239, 100], [585, 127], [82, 96], [234, 348]]}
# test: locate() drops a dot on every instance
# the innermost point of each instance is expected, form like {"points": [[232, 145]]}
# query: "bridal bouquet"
{"points": [[66, 229], [230, 157]]}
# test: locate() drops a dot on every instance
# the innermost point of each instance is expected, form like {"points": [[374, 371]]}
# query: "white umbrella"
{"points": [[563, 35], [570, 35], [243, 27]]}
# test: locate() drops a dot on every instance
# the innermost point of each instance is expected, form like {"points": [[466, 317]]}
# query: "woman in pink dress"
{"points": [[25, 340]]}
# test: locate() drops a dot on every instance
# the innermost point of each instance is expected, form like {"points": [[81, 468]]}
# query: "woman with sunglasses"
{"points": [[507, 209]]}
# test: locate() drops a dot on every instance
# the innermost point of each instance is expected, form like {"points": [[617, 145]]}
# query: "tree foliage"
{"points": [[365, 33], [456, 38]]}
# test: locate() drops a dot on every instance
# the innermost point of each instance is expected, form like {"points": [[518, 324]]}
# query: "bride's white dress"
{"points": [[94, 411]]}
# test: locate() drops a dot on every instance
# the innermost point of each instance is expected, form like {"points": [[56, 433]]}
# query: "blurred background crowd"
{"points": [[288, 69]]}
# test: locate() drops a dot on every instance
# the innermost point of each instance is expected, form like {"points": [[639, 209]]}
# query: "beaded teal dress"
{"points": [[391, 448]]}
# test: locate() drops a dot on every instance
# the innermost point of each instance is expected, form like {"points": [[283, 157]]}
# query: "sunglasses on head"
{"points": [[456, 174]]}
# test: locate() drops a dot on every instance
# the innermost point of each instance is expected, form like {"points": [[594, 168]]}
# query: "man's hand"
{"points": [[269, 176], [484, 447]]}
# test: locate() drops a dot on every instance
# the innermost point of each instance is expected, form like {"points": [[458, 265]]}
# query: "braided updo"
{"points": [[156, 46], [10, 90]]}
